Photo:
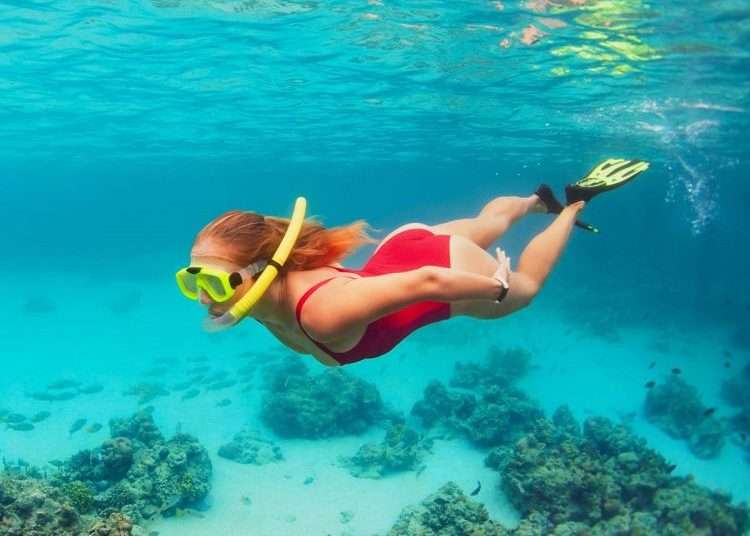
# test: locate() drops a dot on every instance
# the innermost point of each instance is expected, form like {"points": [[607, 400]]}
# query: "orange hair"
{"points": [[248, 236]]}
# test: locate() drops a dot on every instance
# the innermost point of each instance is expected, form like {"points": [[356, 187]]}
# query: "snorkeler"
{"points": [[419, 274]]}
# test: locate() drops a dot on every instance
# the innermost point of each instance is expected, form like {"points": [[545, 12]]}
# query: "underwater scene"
{"points": [[614, 400]]}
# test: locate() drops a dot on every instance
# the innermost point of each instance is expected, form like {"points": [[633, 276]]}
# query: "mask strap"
{"points": [[256, 267]]}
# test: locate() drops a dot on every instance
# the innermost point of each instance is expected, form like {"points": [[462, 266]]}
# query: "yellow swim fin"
{"points": [[608, 175]]}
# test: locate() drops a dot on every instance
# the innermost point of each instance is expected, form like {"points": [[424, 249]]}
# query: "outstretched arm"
{"points": [[361, 301]]}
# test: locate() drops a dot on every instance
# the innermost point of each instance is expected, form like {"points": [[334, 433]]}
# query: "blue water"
{"points": [[127, 126]]}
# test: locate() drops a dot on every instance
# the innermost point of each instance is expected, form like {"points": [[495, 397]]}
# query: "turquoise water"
{"points": [[126, 126]]}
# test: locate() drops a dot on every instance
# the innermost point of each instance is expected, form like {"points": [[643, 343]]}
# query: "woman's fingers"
{"points": [[503, 268]]}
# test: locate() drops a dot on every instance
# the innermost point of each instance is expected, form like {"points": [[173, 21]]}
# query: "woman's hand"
{"points": [[503, 270]]}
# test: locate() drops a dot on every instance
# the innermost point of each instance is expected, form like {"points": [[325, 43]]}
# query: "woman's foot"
{"points": [[548, 203]]}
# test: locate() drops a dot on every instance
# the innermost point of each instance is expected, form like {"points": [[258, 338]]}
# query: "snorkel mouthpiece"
{"points": [[220, 323], [243, 306]]}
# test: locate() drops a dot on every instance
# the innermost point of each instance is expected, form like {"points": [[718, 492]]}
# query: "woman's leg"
{"points": [[534, 266], [492, 221], [490, 224]]}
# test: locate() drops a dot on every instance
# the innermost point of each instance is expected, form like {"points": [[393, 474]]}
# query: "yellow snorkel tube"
{"points": [[240, 310]]}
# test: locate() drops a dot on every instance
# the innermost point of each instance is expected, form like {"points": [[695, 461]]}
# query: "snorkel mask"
{"points": [[220, 285]]}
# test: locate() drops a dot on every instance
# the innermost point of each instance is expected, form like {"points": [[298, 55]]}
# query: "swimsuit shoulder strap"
{"points": [[303, 299], [308, 293], [345, 270]]}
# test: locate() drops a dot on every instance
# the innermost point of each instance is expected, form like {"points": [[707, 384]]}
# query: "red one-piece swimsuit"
{"points": [[404, 251]]}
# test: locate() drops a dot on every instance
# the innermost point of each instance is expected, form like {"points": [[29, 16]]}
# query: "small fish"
{"points": [[477, 489], [192, 393], [676, 371], [652, 365], [248, 370], [709, 412], [743, 435], [15, 418], [727, 364], [91, 389], [246, 500], [309, 480], [63, 384], [223, 403], [94, 428], [650, 384], [56, 463], [221, 385], [39, 417], [20, 426], [193, 513], [77, 425], [218, 376], [420, 471], [671, 467], [53, 396], [182, 386]]}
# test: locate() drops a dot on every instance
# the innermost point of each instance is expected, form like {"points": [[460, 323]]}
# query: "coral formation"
{"points": [[501, 414], [249, 448], [30, 506], [115, 525], [736, 390], [495, 413], [140, 427], [79, 495], [402, 450], [138, 472], [606, 481], [116, 457], [676, 408], [439, 406], [503, 367], [740, 423], [329, 404], [449, 512]]}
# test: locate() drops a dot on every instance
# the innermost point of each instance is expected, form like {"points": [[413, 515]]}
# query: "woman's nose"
{"points": [[204, 298]]}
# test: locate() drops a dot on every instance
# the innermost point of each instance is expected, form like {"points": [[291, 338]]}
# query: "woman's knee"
{"points": [[526, 288]]}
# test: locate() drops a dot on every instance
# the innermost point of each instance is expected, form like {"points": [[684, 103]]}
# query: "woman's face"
{"points": [[215, 257]]}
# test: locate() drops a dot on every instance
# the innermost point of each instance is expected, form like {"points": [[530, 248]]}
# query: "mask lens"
{"points": [[215, 287], [188, 284]]}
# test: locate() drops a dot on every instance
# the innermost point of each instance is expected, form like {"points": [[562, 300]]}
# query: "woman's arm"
{"points": [[358, 302], [457, 285]]}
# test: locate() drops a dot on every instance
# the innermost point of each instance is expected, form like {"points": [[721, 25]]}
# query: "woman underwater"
{"points": [[418, 274]]}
